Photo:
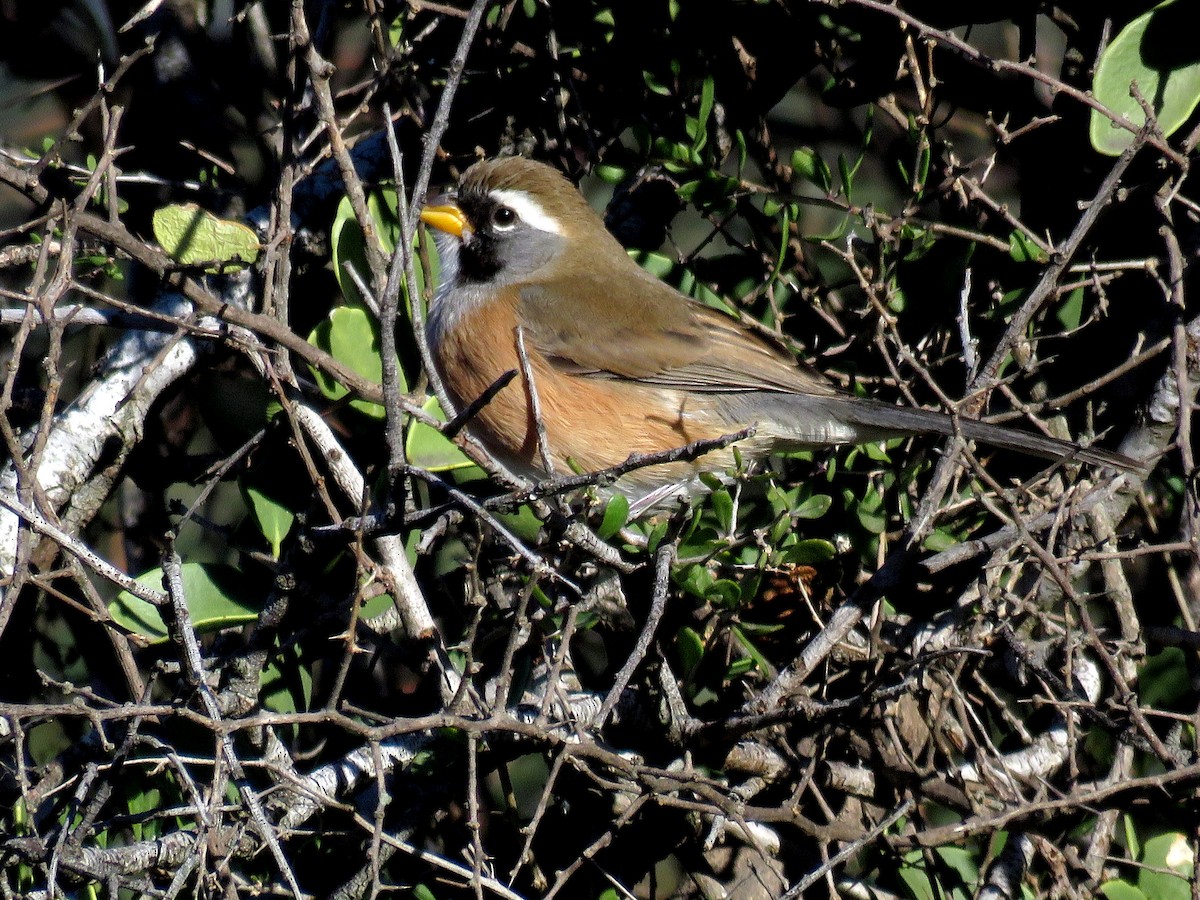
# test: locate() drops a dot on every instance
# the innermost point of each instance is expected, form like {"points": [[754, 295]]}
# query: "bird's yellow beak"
{"points": [[448, 218]]}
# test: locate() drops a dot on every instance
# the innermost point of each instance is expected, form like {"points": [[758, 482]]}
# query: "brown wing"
{"points": [[669, 341], [663, 339]]}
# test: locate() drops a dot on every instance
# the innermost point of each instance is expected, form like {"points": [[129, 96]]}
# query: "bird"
{"points": [[615, 361]]}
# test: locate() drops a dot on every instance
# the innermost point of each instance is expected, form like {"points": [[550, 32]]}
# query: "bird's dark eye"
{"points": [[503, 217]]}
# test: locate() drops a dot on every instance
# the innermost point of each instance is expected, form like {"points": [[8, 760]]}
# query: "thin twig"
{"points": [[663, 560]]}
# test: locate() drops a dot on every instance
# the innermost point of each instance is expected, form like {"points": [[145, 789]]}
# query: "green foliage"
{"points": [[215, 596], [428, 448], [349, 245], [1157, 53], [193, 236], [616, 514], [351, 336], [1164, 874], [1164, 677], [1023, 249], [287, 682], [1070, 312], [809, 164], [274, 519], [682, 278]]}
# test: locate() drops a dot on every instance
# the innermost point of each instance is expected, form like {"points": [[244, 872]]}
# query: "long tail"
{"points": [[815, 420], [912, 420]]}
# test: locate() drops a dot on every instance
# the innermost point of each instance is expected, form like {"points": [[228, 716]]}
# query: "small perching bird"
{"points": [[621, 362]]}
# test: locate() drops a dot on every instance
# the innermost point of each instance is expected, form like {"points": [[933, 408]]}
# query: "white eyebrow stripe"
{"points": [[528, 209]]}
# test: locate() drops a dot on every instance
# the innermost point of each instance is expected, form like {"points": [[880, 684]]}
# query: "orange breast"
{"points": [[593, 422]]}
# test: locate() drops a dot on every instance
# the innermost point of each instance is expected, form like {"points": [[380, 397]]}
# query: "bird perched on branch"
{"points": [[618, 362]]}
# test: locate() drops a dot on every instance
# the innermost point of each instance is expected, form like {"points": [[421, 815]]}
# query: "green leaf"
{"points": [[701, 542], [722, 507], [814, 507], [785, 230], [144, 801], [396, 32], [351, 336], [348, 252], [286, 683], [737, 669], [1121, 890], [348, 248], [924, 159], [192, 235], [1164, 679], [654, 84], [687, 190], [916, 879], [707, 93], [847, 176], [523, 523], [428, 448], [761, 662], [939, 540], [700, 133], [654, 537], [1158, 51], [605, 19], [1070, 311], [690, 647], [724, 592], [1163, 854], [611, 173], [779, 530], [680, 277], [812, 167], [1132, 841], [274, 520], [808, 552], [1023, 248], [876, 451], [616, 514], [964, 862], [212, 593], [695, 579], [919, 241], [377, 605], [870, 513]]}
